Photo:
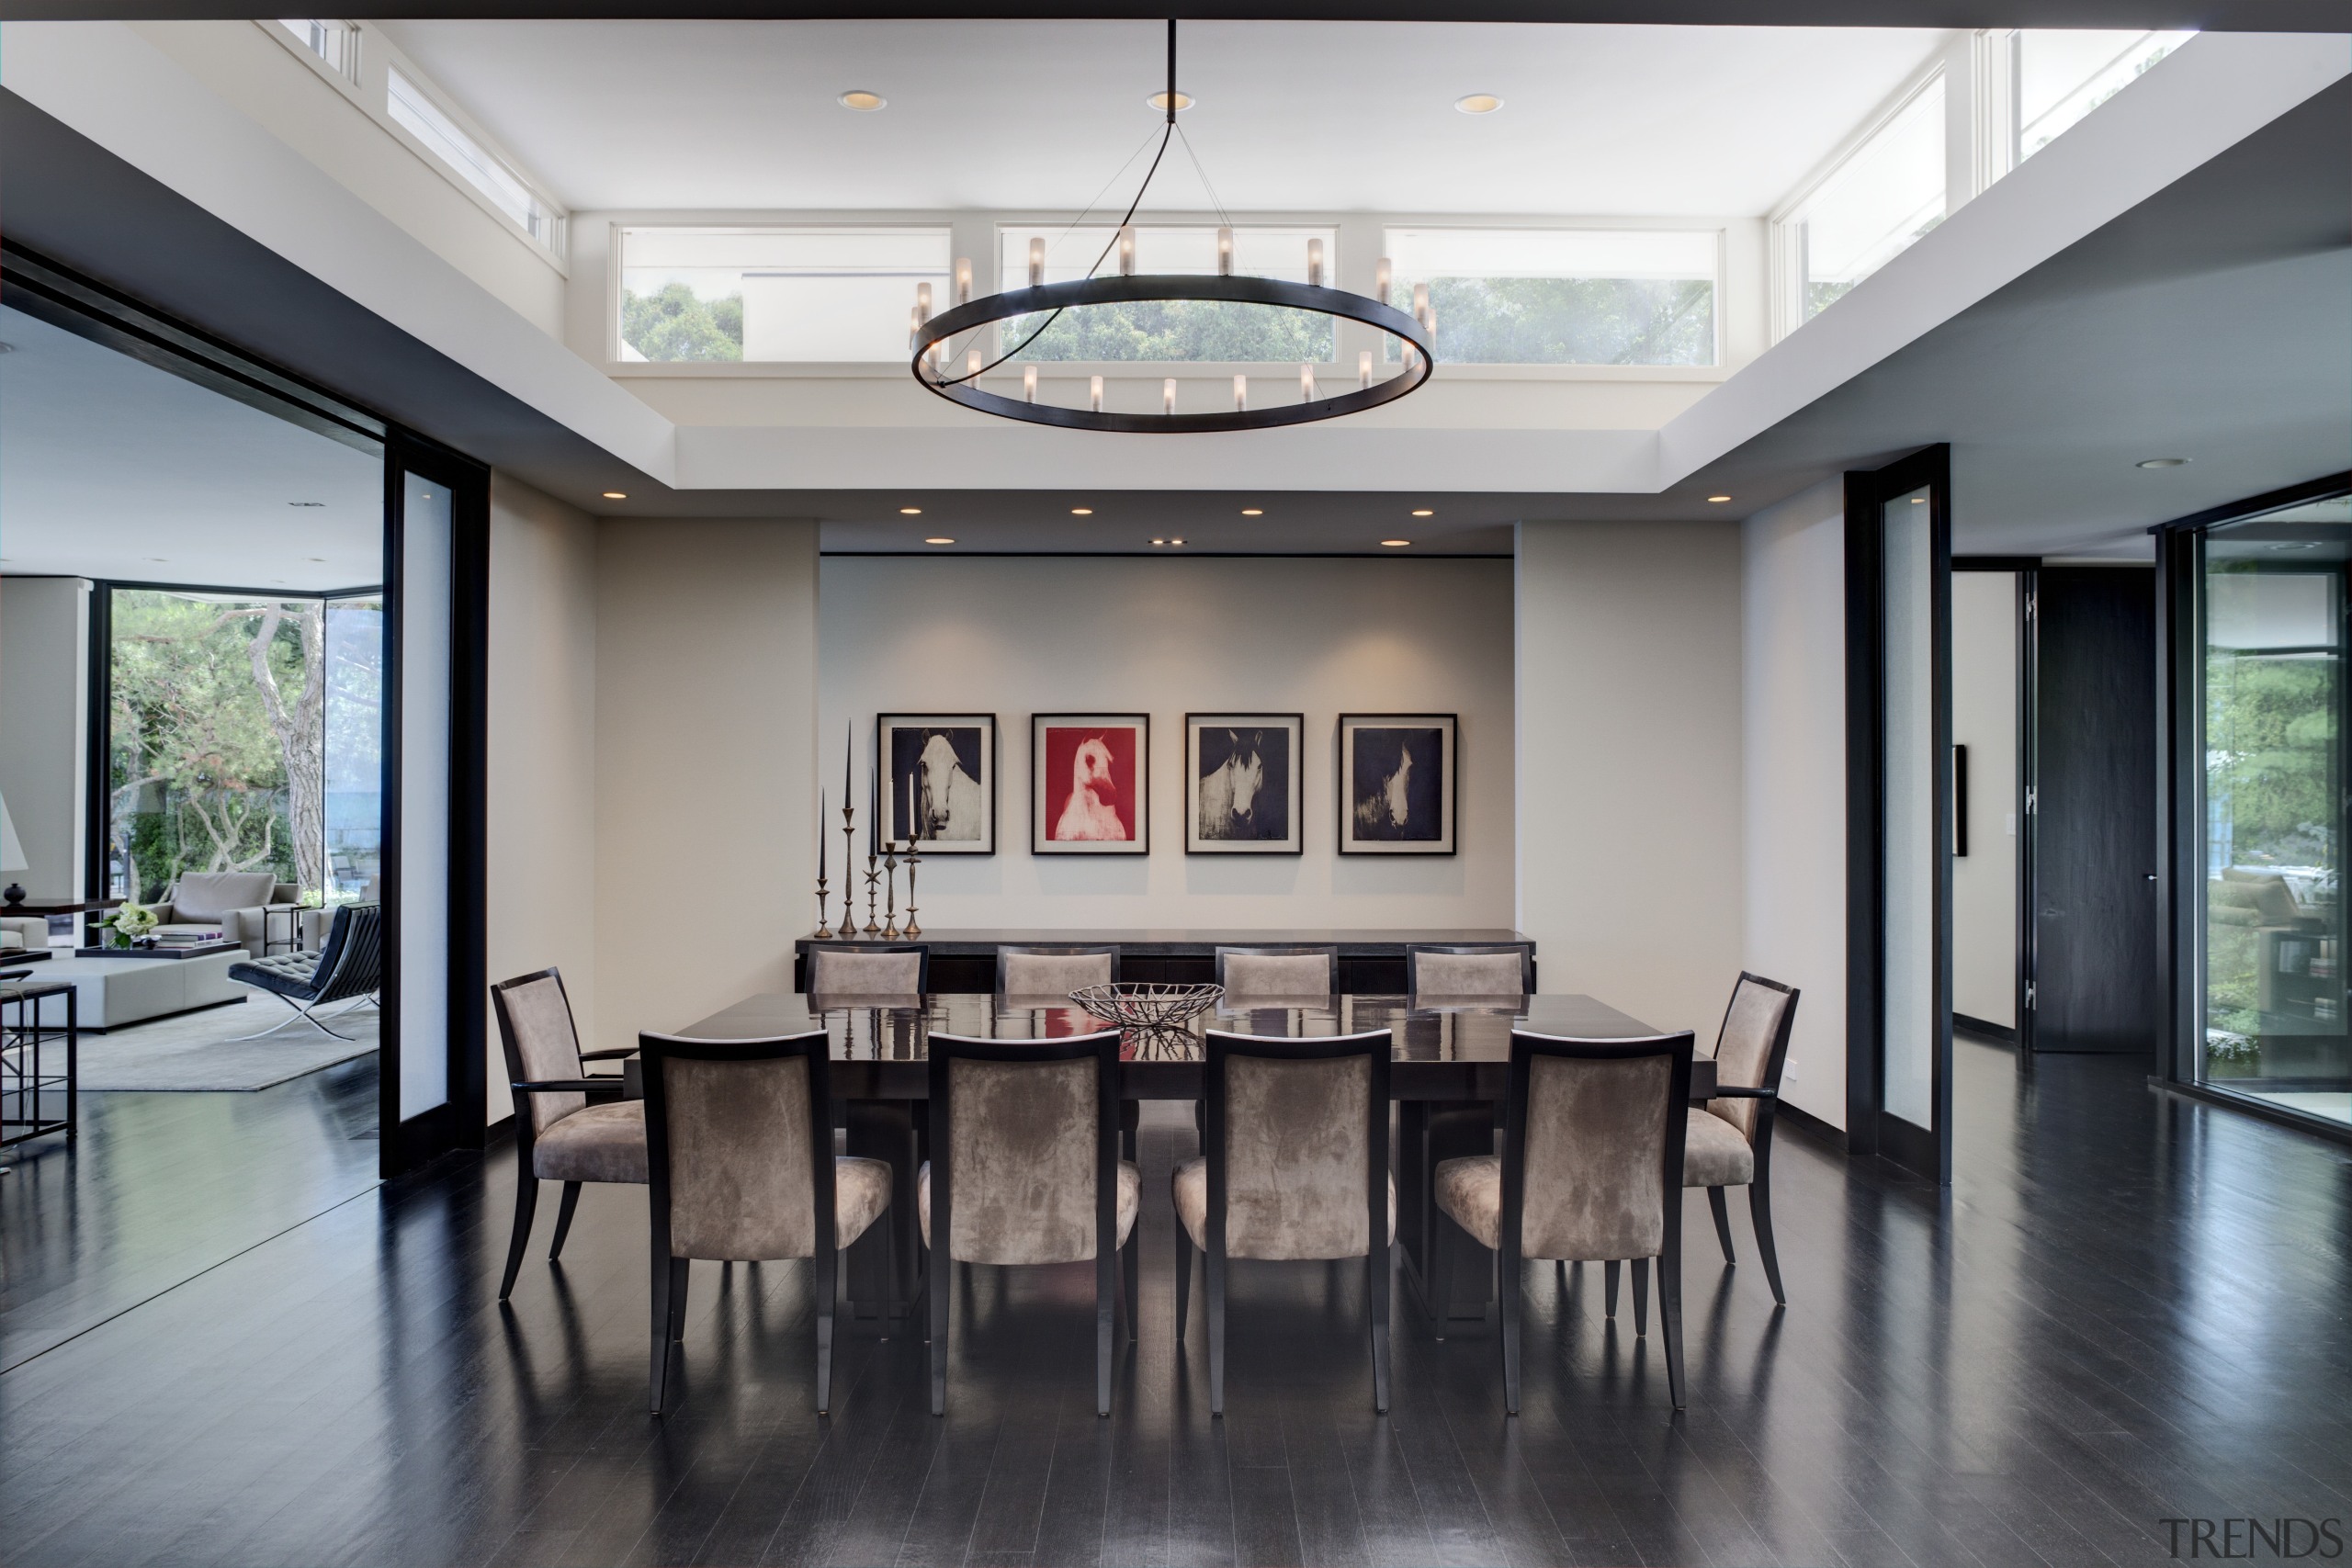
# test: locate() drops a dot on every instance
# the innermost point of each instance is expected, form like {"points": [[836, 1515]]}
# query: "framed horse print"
{"points": [[1242, 791], [935, 775], [1089, 783], [1396, 784]]}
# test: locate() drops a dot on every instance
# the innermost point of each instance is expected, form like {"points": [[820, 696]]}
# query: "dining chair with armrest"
{"points": [[1294, 1168], [1297, 970], [1025, 1167], [1730, 1141], [1591, 1171], [869, 970], [741, 1169], [559, 1135], [1053, 971]]}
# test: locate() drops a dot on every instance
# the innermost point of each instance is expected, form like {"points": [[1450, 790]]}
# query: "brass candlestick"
{"points": [[824, 932], [889, 891], [849, 877], [872, 876], [914, 859]]}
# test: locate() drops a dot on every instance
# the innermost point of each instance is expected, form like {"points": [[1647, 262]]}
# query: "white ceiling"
{"points": [[110, 467], [1325, 117]]}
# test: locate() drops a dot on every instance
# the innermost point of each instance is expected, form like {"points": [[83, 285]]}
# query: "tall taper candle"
{"points": [[848, 760], [821, 832]]}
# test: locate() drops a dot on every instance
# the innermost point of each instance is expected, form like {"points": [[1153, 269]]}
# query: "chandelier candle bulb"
{"points": [[1225, 253], [963, 280], [971, 363], [1421, 303], [1315, 263], [1037, 261], [1029, 383], [922, 301], [1363, 368], [914, 325], [1127, 250], [1094, 393], [1168, 396], [1380, 273], [1306, 383], [1241, 394]]}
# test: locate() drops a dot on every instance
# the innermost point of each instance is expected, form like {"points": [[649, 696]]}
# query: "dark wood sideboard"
{"points": [[964, 962]]}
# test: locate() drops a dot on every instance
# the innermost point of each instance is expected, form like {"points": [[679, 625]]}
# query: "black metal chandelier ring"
{"points": [[1120, 289]]}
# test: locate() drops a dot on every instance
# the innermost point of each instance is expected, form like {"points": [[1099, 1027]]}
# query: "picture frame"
{"points": [[1089, 783], [1389, 803], [1244, 784], [948, 761]]}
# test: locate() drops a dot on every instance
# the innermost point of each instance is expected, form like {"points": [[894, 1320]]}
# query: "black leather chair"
{"points": [[350, 965]]}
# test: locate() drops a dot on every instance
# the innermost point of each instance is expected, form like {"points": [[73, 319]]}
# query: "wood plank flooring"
{"points": [[2128, 1308]]}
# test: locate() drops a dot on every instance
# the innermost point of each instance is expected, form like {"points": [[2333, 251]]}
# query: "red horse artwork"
{"points": [[1089, 784]]}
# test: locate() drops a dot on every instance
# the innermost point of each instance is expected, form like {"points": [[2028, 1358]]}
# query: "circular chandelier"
{"points": [[931, 336]]}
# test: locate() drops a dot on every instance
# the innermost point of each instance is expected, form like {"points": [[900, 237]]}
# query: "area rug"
{"points": [[194, 1051]]}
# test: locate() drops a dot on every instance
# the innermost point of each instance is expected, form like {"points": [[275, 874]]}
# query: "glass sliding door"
{"points": [[353, 719], [2270, 629]]}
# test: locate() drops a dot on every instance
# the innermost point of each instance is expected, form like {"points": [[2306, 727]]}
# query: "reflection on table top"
{"points": [[883, 1029]]}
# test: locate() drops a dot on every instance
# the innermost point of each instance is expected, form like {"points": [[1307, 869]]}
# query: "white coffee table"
{"points": [[111, 992]]}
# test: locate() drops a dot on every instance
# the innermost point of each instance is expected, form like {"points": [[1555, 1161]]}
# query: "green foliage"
{"points": [[678, 324], [1183, 331], [1572, 320]]}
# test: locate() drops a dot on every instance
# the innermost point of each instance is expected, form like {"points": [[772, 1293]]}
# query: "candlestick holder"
{"points": [[914, 859], [872, 877], [849, 879], [889, 891], [824, 931]]}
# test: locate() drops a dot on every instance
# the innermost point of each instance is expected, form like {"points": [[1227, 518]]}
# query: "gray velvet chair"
{"points": [[741, 1169], [1465, 969], [1025, 1167], [1294, 1168], [1730, 1142], [1591, 1171], [1294, 971], [1053, 971], [559, 1135], [869, 970]]}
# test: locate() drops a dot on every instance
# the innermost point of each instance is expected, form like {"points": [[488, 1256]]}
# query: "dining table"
{"points": [[1449, 1073]]}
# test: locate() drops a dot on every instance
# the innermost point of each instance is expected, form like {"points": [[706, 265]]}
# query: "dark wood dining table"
{"points": [[1451, 1067]]}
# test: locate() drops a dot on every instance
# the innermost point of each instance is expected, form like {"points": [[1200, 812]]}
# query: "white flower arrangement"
{"points": [[130, 922]]}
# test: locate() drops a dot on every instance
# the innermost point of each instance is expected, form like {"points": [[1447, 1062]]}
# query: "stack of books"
{"points": [[186, 938]]}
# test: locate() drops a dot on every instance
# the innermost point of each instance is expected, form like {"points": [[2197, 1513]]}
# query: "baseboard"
{"points": [[2000, 1031], [2277, 1115], [1810, 1127]]}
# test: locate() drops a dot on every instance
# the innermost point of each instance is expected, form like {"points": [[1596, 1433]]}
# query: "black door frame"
{"points": [[1870, 1129], [2027, 707]]}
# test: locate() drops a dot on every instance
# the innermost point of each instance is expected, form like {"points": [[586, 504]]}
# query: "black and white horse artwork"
{"points": [[1393, 784], [1243, 794]]}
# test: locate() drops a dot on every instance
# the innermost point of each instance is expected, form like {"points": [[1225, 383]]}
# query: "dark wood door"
{"points": [[2094, 955]]}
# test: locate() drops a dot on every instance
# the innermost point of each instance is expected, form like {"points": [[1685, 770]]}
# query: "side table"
{"points": [[33, 1023], [271, 943]]}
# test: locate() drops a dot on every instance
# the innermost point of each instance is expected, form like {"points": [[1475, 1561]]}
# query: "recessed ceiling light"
{"points": [[306, 504], [911, 512], [7, 348], [616, 495], [1253, 512], [1919, 500], [939, 541], [861, 100], [1160, 101], [316, 560], [2163, 463], [160, 560], [1396, 544], [1160, 541], [1081, 512], [1718, 499], [1477, 103], [1175, 541], [1424, 512]]}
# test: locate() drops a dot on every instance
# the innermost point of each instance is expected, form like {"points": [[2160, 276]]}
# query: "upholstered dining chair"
{"points": [[1730, 1141], [1294, 971], [1467, 970], [869, 970], [559, 1136], [1053, 971], [1591, 1171], [1295, 1167], [740, 1167], [1025, 1167]]}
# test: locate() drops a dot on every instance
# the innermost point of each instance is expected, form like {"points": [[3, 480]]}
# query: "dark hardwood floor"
{"points": [[2128, 1308]]}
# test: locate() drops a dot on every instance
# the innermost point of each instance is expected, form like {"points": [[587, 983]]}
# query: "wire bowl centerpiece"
{"points": [[1150, 1014]]}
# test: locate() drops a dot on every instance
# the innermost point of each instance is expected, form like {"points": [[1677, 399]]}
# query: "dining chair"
{"points": [[1470, 969], [559, 1136], [1294, 1168], [1591, 1171], [902, 971], [741, 1169], [1730, 1143], [1035, 971], [1025, 1167], [1303, 970]]}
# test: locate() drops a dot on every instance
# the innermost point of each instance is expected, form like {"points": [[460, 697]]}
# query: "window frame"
{"points": [[1784, 242], [617, 263]]}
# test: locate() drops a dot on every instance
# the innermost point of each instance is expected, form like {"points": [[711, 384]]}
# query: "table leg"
{"points": [[885, 1130], [1427, 1133]]}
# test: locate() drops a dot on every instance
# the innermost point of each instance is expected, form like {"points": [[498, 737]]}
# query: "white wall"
{"points": [[1793, 576], [705, 708], [1164, 636], [44, 705], [541, 865], [1629, 763], [1984, 719]]}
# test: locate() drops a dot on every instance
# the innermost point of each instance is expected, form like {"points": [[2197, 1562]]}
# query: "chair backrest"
{"points": [[351, 961], [1024, 1147], [209, 895], [1753, 1045], [1592, 1163], [1294, 971], [1297, 1145], [869, 970], [739, 1143], [1463, 969], [534, 1027], [1053, 971]]}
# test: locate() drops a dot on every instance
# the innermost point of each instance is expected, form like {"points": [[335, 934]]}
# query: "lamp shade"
{"points": [[12, 853]]}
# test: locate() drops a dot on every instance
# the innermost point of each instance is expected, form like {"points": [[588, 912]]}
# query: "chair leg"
{"points": [[1609, 1273], [1670, 1318], [526, 1203], [662, 1298], [1439, 1282], [1131, 1277], [826, 1289], [1216, 1332], [679, 1274], [937, 1273], [1183, 1279], [1378, 1281], [1508, 1281], [1759, 1210], [1723, 1222], [1641, 1297], [299, 1015], [563, 1219], [1106, 1295]]}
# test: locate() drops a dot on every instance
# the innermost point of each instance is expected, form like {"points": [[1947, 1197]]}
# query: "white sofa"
{"points": [[315, 923], [231, 902], [23, 931]]}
